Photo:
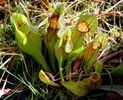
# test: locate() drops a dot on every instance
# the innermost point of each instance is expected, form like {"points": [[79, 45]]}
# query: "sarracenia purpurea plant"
{"points": [[72, 50]]}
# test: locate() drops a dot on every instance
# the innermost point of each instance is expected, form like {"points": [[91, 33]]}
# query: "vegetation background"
{"points": [[19, 72]]}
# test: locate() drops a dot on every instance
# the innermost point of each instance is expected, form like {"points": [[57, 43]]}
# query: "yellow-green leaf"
{"points": [[44, 78], [87, 23], [100, 41], [78, 88], [93, 81]]}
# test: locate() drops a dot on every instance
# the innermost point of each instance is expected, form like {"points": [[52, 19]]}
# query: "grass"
{"points": [[19, 71]]}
